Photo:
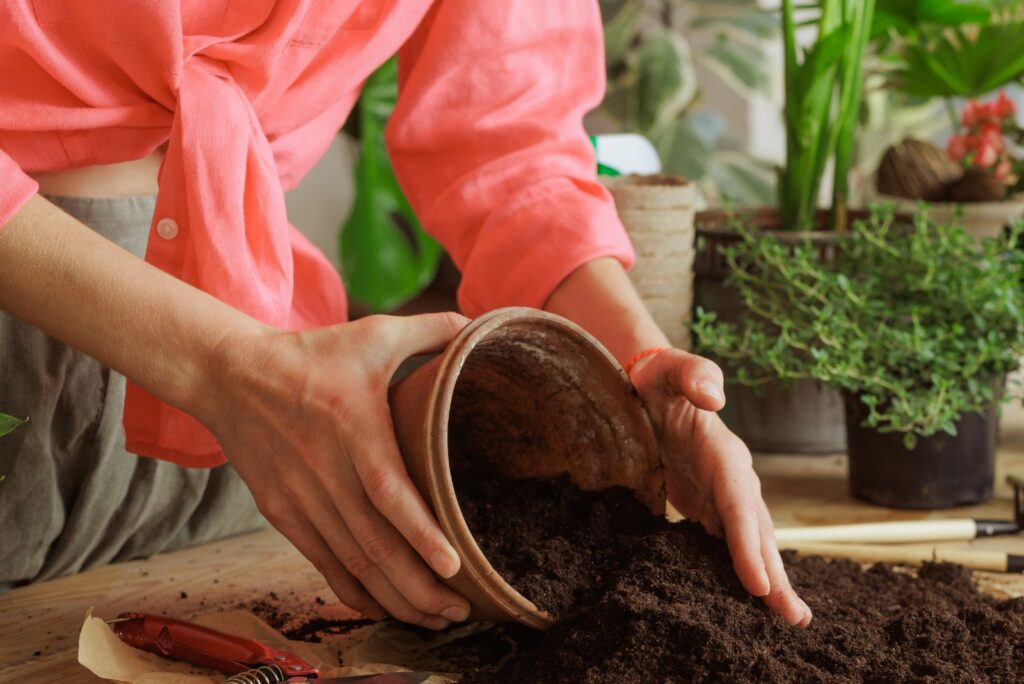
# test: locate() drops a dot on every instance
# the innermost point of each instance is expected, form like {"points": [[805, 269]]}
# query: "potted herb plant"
{"points": [[915, 325], [823, 88]]}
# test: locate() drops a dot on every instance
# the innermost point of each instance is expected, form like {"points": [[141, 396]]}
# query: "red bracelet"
{"points": [[641, 355]]}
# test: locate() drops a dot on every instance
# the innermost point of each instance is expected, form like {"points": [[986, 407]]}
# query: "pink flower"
{"points": [[992, 134], [1003, 170], [974, 113], [986, 155], [1003, 107], [957, 147]]}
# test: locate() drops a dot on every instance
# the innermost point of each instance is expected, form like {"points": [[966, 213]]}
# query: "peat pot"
{"points": [[541, 398], [941, 471], [806, 417]]}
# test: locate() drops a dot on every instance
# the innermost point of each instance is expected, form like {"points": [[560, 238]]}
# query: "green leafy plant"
{"points": [[8, 424], [653, 88], [387, 258], [823, 86], [917, 322], [944, 48]]}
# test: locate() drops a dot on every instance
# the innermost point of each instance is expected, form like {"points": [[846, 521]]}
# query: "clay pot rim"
{"points": [[760, 215], [442, 488]]}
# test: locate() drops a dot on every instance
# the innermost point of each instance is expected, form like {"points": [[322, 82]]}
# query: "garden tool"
{"points": [[992, 561], [248, 661], [901, 532]]}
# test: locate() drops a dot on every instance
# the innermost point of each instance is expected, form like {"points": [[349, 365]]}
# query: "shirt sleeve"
{"points": [[16, 187], [487, 141]]}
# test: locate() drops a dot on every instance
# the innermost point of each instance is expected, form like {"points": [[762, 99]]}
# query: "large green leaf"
{"points": [[958, 62], [740, 64], [667, 80], [620, 28], [386, 256], [8, 424]]}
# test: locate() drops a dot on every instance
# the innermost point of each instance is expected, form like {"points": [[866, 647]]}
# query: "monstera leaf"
{"points": [[386, 256], [8, 424]]}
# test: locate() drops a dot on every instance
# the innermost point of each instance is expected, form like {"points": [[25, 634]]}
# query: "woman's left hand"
{"points": [[709, 472]]}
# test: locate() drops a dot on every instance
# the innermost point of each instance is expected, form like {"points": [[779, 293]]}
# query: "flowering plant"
{"points": [[990, 139]]}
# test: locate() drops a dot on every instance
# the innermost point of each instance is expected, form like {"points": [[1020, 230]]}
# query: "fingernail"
{"points": [[445, 563], [435, 623], [709, 389], [766, 583], [456, 613]]}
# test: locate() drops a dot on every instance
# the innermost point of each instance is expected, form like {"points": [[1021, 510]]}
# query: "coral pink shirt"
{"points": [[487, 141]]}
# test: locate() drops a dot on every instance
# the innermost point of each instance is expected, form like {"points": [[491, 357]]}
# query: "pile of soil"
{"points": [[642, 600]]}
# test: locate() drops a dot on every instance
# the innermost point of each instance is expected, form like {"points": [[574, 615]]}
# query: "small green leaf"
{"points": [[8, 424]]}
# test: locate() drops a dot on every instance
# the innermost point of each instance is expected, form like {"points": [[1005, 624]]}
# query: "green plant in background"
{"points": [[918, 323], [652, 50], [8, 424], [946, 48], [387, 258], [823, 87]]}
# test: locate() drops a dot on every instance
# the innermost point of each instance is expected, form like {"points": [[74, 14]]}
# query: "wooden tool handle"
{"points": [[897, 532], [993, 561]]}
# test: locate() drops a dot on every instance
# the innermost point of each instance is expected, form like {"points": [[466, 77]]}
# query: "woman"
{"points": [[230, 328]]}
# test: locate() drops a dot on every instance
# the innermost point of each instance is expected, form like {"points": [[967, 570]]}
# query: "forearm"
{"points": [[60, 276], [600, 298]]}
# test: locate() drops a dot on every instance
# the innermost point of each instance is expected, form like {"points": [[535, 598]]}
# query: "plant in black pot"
{"points": [[823, 88], [917, 326]]}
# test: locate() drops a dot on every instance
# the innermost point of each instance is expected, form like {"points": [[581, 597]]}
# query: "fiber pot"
{"points": [[552, 399], [806, 417], [941, 471], [658, 214]]}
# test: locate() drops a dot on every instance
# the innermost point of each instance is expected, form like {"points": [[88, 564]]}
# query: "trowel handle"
{"points": [[200, 645], [992, 561], [897, 532]]}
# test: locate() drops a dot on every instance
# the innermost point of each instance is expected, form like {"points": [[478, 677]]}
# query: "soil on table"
{"points": [[640, 599]]}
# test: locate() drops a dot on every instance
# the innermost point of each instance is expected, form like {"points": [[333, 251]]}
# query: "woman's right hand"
{"points": [[304, 419]]}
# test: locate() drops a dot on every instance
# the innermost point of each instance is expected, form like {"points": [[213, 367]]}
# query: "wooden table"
{"points": [[39, 624]]}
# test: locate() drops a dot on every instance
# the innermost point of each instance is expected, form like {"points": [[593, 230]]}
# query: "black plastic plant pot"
{"points": [[941, 471]]}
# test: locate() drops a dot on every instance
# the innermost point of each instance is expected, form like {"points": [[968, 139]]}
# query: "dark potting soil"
{"points": [[643, 600]]}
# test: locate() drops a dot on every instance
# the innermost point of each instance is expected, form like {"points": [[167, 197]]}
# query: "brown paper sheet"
{"points": [[385, 647]]}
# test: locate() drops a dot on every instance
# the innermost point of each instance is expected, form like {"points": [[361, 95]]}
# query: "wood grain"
{"points": [[47, 616]]}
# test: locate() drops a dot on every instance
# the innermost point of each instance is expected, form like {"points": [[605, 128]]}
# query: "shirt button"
{"points": [[167, 228]]}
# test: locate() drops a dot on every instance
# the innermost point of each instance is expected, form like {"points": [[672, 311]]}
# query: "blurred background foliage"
{"points": [[652, 51]]}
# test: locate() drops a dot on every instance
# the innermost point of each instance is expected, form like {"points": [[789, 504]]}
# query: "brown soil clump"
{"points": [[643, 600]]}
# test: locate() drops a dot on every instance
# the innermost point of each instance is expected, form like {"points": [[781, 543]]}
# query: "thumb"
{"points": [[680, 373], [427, 333]]}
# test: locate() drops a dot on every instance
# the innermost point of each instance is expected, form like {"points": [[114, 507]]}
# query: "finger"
{"points": [[736, 498], [383, 545], [344, 547], [782, 599], [386, 482], [311, 544], [696, 378], [427, 333]]}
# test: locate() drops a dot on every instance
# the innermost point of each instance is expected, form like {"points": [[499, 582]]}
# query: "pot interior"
{"points": [[537, 400]]}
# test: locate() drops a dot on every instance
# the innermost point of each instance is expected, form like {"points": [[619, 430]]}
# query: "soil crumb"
{"points": [[643, 600]]}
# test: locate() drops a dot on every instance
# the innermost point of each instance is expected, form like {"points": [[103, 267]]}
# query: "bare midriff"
{"points": [[136, 177]]}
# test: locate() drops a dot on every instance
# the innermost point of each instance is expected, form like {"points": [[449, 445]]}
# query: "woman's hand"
{"points": [[709, 472], [304, 419]]}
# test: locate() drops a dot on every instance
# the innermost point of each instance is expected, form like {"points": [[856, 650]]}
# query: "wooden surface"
{"points": [[46, 617]]}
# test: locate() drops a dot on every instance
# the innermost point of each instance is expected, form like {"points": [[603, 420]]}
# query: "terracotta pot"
{"points": [[539, 397], [981, 220]]}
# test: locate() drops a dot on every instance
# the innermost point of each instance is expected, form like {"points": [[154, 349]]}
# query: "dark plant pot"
{"points": [[941, 471], [806, 418]]}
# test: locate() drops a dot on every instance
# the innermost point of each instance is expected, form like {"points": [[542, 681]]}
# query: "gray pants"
{"points": [[72, 498]]}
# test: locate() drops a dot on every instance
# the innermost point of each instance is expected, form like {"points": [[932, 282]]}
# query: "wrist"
{"points": [[224, 362]]}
